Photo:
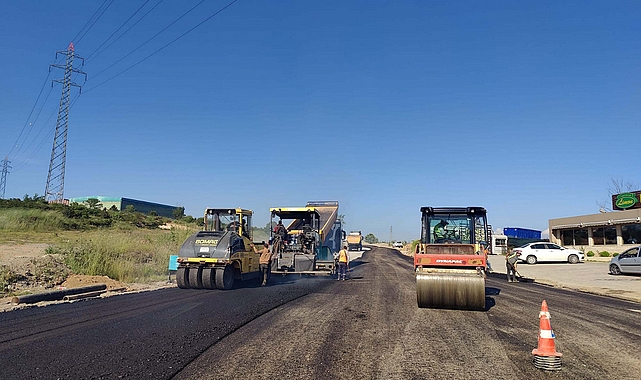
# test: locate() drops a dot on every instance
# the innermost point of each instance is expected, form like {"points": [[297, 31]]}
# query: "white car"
{"points": [[533, 253], [397, 244]]}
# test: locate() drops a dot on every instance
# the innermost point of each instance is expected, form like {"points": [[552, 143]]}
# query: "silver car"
{"points": [[627, 262]]}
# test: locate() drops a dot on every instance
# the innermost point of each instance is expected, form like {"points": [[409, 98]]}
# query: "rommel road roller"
{"points": [[449, 263], [220, 254]]}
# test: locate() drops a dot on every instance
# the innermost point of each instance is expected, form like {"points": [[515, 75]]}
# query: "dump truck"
{"points": [[355, 241], [449, 262], [309, 239], [221, 253]]}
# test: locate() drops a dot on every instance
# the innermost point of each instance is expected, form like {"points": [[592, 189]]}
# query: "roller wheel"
{"points": [[182, 278], [573, 259], [450, 291], [195, 278], [225, 277], [209, 275]]}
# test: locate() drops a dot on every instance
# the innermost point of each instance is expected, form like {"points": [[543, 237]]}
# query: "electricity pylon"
{"points": [[56, 177], [3, 177]]}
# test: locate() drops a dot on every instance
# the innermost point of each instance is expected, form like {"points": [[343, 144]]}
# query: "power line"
{"points": [[77, 39], [154, 36], [157, 51], [120, 27], [20, 153], [30, 113]]}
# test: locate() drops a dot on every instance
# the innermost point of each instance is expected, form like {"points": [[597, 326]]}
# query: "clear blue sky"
{"points": [[527, 108]]}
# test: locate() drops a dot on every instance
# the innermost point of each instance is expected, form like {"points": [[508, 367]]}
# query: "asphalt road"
{"points": [[366, 327]]}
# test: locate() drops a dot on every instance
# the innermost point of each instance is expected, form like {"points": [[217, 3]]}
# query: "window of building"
{"points": [[604, 235], [581, 237], [610, 235], [631, 233], [574, 237], [597, 236]]}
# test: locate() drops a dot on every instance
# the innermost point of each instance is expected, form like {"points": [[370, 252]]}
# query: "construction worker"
{"points": [[265, 261], [510, 262], [343, 263], [439, 230], [485, 251]]}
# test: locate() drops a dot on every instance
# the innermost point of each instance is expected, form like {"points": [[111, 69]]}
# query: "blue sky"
{"points": [[527, 108]]}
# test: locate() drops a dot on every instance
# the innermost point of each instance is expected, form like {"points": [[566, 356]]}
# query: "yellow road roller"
{"points": [[450, 260], [221, 253]]}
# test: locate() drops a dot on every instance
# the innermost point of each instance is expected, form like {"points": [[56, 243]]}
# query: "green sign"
{"points": [[625, 200]]}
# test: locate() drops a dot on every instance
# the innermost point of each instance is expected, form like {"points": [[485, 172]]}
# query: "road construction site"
{"points": [[299, 326]]}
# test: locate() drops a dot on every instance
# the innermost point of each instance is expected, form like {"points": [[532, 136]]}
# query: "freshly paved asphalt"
{"points": [[317, 327]]}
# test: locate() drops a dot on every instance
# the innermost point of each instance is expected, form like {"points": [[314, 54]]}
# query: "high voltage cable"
{"points": [[20, 154], [42, 142], [93, 23], [88, 21], [28, 117], [154, 36], [157, 51], [121, 26]]}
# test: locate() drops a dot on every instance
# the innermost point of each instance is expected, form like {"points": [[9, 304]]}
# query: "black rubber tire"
{"points": [[531, 259], [573, 259], [182, 278], [195, 278], [614, 269], [225, 277], [209, 275]]}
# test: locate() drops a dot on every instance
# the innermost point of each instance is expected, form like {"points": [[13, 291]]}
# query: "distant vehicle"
{"points": [[627, 262], [355, 241], [533, 253], [397, 244], [499, 244]]}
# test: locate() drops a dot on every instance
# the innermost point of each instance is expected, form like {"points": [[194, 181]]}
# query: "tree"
{"points": [[617, 186], [178, 212], [370, 238], [93, 203], [130, 208]]}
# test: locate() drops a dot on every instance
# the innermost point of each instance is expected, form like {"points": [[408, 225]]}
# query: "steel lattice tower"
{"points": [[3, 177], [56, 177]]}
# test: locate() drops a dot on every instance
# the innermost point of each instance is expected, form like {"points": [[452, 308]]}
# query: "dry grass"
{"points": [[123, 255]]}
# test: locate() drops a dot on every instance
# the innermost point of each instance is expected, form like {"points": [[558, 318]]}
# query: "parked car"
{"points": [[627, 262], [533, 253], [397, 244]]}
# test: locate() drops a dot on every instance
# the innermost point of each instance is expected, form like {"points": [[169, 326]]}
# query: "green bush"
{"points": [[604, 254], [590, 254], [615, 254]]}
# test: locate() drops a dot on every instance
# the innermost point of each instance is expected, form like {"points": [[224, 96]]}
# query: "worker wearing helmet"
{"points": [[439, 230]]}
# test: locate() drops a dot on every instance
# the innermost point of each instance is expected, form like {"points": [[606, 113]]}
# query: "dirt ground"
{"points": [[39, 272]]}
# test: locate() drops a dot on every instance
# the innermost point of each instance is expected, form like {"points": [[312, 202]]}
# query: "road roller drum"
{"points": [[450, 290]]}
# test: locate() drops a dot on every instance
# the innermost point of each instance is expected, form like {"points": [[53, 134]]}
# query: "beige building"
{"points": [[609, 231]]}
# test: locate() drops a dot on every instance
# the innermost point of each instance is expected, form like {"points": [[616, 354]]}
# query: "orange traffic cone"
{"points": [[545, 356]]}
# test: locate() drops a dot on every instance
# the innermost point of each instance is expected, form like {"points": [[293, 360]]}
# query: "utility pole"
{"points": [[390, 235], [3, 177], [56, 176]]}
